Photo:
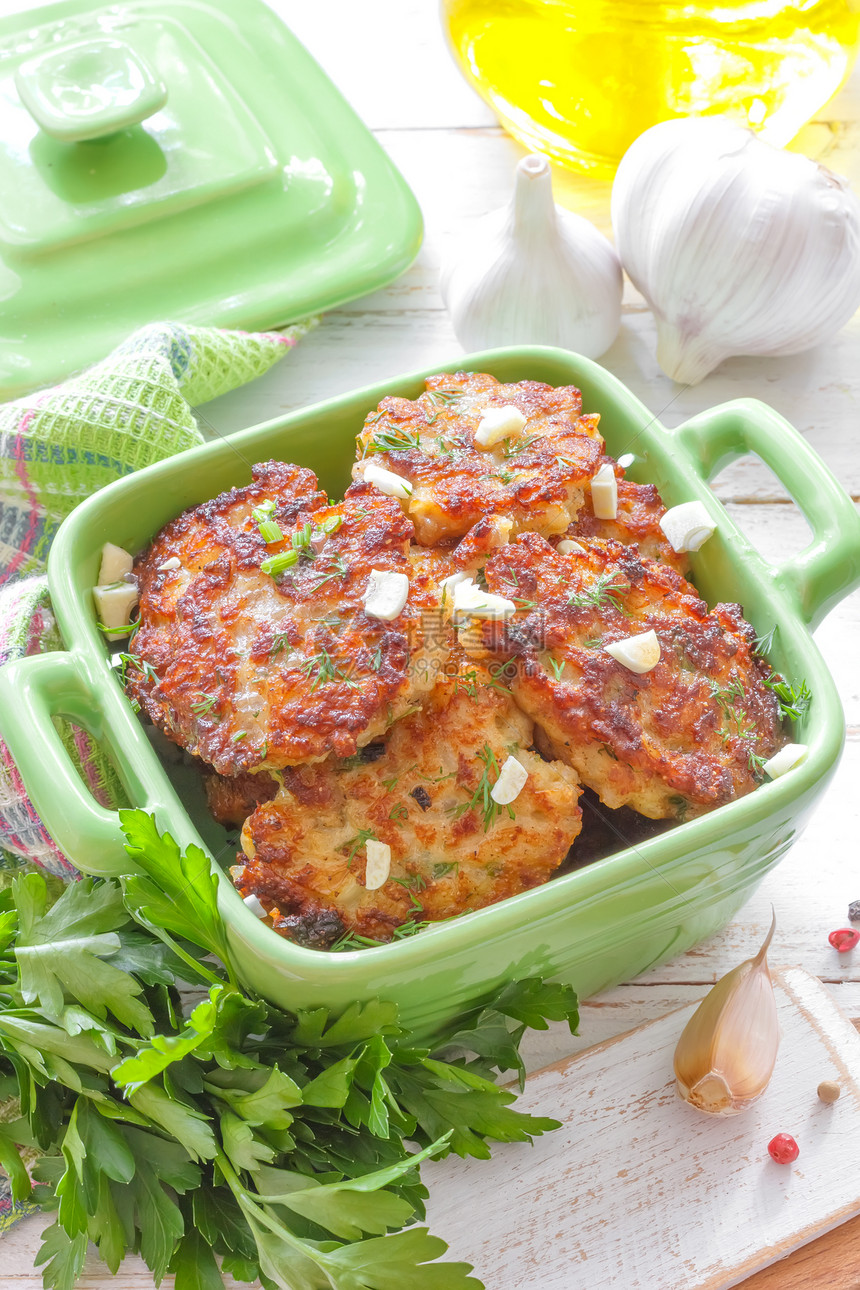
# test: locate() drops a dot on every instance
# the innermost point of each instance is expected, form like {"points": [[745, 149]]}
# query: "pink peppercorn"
{"points": [[844, 939], [783, 1149]]}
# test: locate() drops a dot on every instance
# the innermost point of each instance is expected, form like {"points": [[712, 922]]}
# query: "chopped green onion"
{"points": [[275, 564], [270, 531]]}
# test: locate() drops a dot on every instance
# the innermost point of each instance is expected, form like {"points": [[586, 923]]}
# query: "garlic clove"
{"points": [[727, 1051], [604, 493], [386, 594], [497, 424], [255, 906], [568, 547], [448, 586], [626, 460], [738, 247], [638, 654], [378, 865], [116, 562], [534, 274], [114, 605], [473, 600], [789, 756], [387, 481], [171, 565], [511, 782], [687, 526]]}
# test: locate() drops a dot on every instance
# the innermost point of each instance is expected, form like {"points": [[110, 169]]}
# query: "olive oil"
{"points": [[581, 79]]}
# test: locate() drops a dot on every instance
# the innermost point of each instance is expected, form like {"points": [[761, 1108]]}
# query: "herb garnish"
{"points": [[270, 530], [481, 796], [326, 671], [793, 700], [440, 399], [278, 1144], [204, 704], [604, 594], [355, 844], [392, 439]]}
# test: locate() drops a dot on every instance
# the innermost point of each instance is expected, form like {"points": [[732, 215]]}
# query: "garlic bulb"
{"points": [[534, 274], [726, 1054], [738, 247]]}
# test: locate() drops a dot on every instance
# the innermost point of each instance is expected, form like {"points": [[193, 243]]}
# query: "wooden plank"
{"points": [[637, 1187]]}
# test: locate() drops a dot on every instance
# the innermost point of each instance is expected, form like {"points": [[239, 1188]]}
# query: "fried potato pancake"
{"points": [[252, 670], [426, 794], [536, 479], [637, 522], [677, 741], [232, 799]]}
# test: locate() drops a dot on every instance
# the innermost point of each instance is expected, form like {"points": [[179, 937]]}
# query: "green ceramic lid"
{"points": [[177, 158]]}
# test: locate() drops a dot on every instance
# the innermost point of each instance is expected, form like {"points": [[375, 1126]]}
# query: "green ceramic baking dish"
{"points": [[593, 927]]}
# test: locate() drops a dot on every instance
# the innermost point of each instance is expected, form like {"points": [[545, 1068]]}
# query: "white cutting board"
{"points": [[638, 1190]]}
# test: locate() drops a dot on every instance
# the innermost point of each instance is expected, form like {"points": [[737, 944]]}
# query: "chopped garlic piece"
{"points": [[447, 586], [626, 460], [254, 905], [497, 424], [471, 599], [386, 594], [171, 565], [387, 481], [511, 781], [378, 865], [687, 526], [786, 759], [604, 493], [114, 605], [115, 564], [567, 547], [638, 653]]}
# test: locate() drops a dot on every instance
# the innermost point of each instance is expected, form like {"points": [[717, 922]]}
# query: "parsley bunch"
{"points": [[229, 1132]]}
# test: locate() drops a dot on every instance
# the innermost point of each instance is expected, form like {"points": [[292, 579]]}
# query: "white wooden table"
{"points": [[389, 59]]}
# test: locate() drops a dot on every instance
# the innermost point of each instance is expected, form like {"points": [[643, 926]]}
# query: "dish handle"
{"points": [[33, 692], [825, 571]]}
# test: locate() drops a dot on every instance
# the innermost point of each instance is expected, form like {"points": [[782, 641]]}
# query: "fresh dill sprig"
{"points": [[281, 642], [793, 700], [557, 667], [339, 570], [604, 594], [326, 671], [412, 882], [481, 797], [515, 446], [138, 664], [763, 644], [355, 844], [392, 439], [440, 399], [204, 704]]}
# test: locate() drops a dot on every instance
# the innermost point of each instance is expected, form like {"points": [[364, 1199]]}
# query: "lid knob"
{"points": [[89, 89]]}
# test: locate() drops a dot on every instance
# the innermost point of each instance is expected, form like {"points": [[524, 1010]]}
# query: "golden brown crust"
{"points": [[423, 796], [535, 479], [231, 800], [637, 522], [687, 736], [249, 670]]}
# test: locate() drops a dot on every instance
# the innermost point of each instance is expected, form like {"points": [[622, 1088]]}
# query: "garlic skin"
{"points": [[727, 1051], [737, 246], [534, 274]]}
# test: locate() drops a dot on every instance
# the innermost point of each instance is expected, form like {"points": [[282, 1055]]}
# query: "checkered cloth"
{"points": [[57, 447]]}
